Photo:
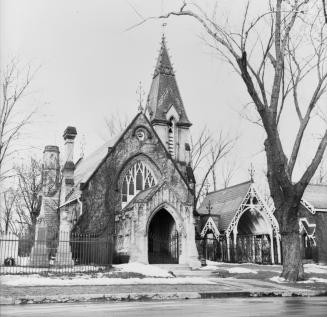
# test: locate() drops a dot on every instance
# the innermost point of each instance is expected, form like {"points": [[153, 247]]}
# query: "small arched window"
{"points": [[137, 178], [171, 136]]}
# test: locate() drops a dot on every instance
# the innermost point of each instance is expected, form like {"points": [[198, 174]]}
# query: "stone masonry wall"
{"points": [[102, 199]]}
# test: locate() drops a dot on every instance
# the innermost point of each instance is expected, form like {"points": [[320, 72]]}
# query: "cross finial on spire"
{"points": [[209, 207], [164, 30], [140, 93], [251, 172]]}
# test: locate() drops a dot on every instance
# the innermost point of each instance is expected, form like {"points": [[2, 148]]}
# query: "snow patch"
{"points": [[278, 279], [315, 268], [145, 269], [241, 270], [36, 280]]}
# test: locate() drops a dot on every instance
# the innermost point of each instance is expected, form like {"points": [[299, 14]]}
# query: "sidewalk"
{"points": [[227, 287]]}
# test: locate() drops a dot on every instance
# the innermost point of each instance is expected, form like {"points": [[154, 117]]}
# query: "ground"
{"points": [[137, 281]]}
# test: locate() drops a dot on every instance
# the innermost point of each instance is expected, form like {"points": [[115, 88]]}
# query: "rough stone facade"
{"points": [[101, 196]]}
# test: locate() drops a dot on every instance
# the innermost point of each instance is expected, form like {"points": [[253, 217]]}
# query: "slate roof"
{"points": [[225, 203], [86, 166], [164, 91], [316, 195]]}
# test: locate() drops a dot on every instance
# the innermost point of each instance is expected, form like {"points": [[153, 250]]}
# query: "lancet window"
{"points": [[137, 178], [171, 136]]}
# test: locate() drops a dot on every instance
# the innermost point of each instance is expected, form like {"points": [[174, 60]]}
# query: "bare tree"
{"points": [[228, 170], [115, 124], [14, 84], [321, 174], [29, 192], [206, 152], [276, 53], [8, 223]]}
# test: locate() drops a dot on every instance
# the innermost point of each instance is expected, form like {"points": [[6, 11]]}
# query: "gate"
{"points": [[162, 250]]}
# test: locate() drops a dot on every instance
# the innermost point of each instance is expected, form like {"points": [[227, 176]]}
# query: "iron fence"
{"points": [[62, 252], [248, 249]]}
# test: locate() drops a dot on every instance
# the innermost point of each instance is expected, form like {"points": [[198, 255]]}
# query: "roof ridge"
{"points": [[222, 189], [321, 185]]}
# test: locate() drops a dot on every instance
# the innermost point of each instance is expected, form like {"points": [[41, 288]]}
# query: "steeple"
{"points": [[165, 109], [164, 93]]}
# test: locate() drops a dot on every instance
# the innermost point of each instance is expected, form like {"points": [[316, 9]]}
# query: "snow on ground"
{"points": [[145, 269], [241, 270], [315, 268], [278, 279], [211, 265], [36, 280]]}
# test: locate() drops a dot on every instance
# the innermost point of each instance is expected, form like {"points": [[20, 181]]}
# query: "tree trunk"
{"points": [[292, 259]]}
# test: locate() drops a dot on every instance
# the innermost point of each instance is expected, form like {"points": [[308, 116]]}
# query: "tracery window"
{"points": [[137, 178]]}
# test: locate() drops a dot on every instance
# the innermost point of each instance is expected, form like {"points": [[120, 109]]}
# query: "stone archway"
{"points": [[163, 239]]}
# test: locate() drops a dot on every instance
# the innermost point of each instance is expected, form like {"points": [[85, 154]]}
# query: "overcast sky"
{"points": [[90, 67]]}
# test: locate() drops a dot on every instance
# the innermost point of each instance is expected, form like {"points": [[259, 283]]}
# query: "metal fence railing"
{"points": [[248, 249], [62, 252]]}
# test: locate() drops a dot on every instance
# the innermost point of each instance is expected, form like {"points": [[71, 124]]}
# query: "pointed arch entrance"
{"points": [[163, 239]]}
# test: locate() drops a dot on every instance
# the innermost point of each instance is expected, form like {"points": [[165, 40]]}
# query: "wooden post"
{"points": [[228, 246], [278, 250], [253, 248], [235, 243], [272, 255]]}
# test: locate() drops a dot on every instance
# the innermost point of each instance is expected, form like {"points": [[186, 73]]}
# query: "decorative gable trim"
{"points": [[311, 225], [248, 204], [308, 206], [210, 225]]}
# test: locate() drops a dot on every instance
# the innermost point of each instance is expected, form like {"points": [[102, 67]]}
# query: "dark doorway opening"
{"points": [[163, 239]]}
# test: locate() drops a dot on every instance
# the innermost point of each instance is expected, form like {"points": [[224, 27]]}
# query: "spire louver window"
{"points": [[171, 137]]}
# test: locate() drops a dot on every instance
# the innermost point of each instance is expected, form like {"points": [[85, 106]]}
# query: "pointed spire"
{"points": [[164, 92], [163, 65]]}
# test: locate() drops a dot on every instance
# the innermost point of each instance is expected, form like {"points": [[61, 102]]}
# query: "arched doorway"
{"points": [[253, 238], [163, 239]]}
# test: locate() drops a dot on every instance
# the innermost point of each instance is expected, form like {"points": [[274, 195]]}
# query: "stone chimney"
{"points": [[69, 166], [50, 171]]}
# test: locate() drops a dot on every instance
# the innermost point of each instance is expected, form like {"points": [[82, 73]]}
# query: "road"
{"points": [[273, 306]]}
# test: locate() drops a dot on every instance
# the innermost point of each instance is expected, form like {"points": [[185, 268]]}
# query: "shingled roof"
{"points": [[316, 195], [225, 203], [164, 91]]}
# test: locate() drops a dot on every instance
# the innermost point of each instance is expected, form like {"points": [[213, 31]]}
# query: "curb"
{"points": [[151, 296]]}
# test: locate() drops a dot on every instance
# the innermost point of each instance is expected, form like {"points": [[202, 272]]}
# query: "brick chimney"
{"points": [[69, 166]]}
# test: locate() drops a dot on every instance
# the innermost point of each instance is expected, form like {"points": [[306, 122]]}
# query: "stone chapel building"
{"points": [[137, 188]]}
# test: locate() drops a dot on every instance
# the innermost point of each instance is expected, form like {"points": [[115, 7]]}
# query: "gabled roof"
{"points": [[225, 203], [164, 91], [86, 166], [316, 195]]}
